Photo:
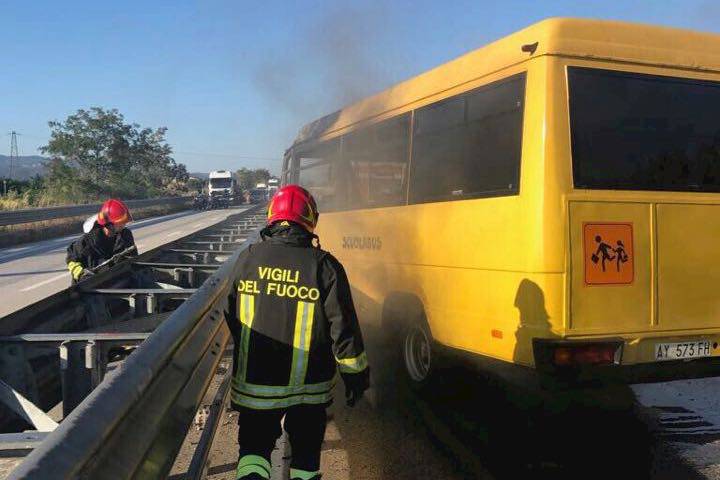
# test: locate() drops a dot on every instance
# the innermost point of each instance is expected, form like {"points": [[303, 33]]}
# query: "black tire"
{"points": [[418, 354]]}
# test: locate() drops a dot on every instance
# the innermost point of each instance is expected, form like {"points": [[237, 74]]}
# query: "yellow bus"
{"points": [[548, 204]]}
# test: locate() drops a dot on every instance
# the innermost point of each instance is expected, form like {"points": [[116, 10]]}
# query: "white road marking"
{"points": [[174, 233], [197, 225], [18, 249], [45, 282]]}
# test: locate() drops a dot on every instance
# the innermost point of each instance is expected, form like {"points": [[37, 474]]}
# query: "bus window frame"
{"points": [[408, 152], [515, 191], [297, 157]]}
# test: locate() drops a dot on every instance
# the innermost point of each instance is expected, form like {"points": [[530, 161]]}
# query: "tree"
{"points": [[95, 153], [247, 178], [262, 175]]}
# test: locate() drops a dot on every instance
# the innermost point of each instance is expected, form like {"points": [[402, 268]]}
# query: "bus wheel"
{"points": [[418, 354]]}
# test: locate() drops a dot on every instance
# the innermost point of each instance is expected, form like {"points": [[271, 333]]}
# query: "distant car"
{"points": [[200, 202], [219, 200], [258, 195]]}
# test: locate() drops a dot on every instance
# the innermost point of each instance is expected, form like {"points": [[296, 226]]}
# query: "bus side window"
{"points": [[320, 172], [469, 146], [376, 161]]}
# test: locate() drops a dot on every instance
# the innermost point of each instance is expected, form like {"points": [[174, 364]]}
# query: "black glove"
{"points": [[355, 386], [85, 274]]}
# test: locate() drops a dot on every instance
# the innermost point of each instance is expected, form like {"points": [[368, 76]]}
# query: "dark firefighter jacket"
{"points": [[95, 247], [293, 320]]}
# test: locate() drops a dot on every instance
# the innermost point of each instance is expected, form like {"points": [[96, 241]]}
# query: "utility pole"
{"points": [[14, 159], [13, 151]]}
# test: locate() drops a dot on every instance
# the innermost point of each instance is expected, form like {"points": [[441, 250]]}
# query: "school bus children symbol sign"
{"points": [[608, 249]]}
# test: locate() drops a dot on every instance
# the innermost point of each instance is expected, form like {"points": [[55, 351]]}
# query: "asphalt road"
{"points": [[34, 271], [688, 420]]}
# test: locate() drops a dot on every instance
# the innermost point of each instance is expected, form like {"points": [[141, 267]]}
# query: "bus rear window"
{"points": [[644, 132]]}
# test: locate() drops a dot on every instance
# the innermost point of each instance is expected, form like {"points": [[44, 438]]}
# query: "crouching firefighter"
{"points": [[293, 323], [105, 236]]}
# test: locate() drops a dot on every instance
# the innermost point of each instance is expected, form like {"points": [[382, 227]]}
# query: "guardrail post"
{"points": [[190, 275], [132, 302], [151, 302], [82, 365]]}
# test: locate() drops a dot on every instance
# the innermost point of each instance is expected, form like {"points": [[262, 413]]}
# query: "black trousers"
{"points": [[305, 425]]}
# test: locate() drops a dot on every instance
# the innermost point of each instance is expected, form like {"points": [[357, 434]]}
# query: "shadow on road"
{"points": [[464, 425]]}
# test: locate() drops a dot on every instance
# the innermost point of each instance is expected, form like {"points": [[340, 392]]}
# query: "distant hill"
{"points": [[25, 168]]}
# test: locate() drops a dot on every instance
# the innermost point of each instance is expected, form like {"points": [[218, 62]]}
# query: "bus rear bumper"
{"points": [[549, 378], [611, 362]]}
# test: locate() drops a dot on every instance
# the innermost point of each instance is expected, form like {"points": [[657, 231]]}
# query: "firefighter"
{"points": [[105, 235], [294, 324]]}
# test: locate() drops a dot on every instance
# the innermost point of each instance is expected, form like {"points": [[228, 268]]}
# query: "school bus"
{"points": [[547, 204]]}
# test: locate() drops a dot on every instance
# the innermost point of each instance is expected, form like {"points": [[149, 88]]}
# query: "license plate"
{"points": [[682, 350]]}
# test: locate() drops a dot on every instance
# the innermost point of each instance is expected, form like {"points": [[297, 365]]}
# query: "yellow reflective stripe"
{"points": [[253, 464], [301, 342], [352, 365], [75, 268], [246, 305], [270, 403], [281, 391]]}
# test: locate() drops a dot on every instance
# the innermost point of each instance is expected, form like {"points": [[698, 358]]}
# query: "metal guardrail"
{"points": [[133, 424], [27, 215]]}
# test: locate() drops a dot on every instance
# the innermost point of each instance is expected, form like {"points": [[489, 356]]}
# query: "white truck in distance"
{"points": [[273, 185], [221, 182]]}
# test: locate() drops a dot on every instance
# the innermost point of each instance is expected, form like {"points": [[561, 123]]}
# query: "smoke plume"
{"points": [[336, 60]]}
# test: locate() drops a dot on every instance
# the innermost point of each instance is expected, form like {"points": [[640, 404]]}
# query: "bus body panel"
{"points": [[469, 302], [624, 305], [675, 265], [688, 266]]}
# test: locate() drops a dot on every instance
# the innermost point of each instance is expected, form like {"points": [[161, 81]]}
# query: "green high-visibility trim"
{"points": [[297, 474], [352, 365], [249, 469], [271, 403], [253, 464], [281, 390]]}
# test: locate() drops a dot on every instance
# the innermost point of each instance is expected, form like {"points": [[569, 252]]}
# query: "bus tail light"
{"points": [[577, 354]]}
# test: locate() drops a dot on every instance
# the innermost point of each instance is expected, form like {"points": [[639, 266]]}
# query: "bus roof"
{"points": [[571, 37]]}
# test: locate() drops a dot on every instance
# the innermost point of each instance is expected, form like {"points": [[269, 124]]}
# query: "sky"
{"points": [[233, 80]]}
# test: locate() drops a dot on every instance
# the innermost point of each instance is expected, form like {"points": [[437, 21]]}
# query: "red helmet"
{"points": [[114, 212], [295, 204]]}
